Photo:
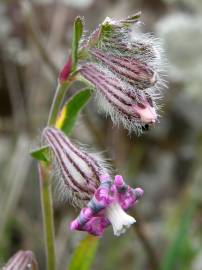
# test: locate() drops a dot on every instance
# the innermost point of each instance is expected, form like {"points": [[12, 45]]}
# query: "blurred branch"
{"points": [[18, 108], [35, 36], [58, 26], [142, 236], [15, 175]]}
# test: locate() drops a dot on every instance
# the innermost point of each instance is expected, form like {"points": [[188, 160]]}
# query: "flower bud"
{"points": [[123, 105], [138, 75], [79, 171], [64, 73], [22, 260]]}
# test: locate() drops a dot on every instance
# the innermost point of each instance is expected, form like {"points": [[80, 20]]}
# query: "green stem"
{"points": [[57, 100], [47, 212], [45, 187]]}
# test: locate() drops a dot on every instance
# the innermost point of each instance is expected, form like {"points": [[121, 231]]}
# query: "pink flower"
{"points": [[108, 206], [84, 179]]}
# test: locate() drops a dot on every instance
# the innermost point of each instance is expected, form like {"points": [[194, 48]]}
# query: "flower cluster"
{"points": [[125, 67], [85, 180]]}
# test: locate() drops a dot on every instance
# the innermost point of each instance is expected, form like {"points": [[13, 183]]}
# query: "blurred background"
{"points": [[166, 161]]}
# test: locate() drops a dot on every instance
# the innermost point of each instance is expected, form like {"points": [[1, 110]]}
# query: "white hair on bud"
{"points": [[62, 191], [118, 117]]}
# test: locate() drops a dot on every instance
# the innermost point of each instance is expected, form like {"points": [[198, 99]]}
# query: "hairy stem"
{"points": [[47, 212]]}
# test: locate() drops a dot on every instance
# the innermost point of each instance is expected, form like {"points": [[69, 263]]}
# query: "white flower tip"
{"points": [[124, 226], [119, 219]]}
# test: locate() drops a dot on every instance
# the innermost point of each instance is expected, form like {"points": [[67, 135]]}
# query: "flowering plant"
{"points": [[123, 67]]}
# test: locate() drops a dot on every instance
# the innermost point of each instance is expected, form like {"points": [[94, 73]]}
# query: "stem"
{"points": [[57, 100], [47, 213], [45, 186]]}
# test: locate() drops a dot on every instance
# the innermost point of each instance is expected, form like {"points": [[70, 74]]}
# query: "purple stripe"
{"points": [[93, 79], [82, 173], [136, 66], [22, 265], [133, 74], [73, 183], [123, 110], [88, 158], [15, 259], [113, 83]]}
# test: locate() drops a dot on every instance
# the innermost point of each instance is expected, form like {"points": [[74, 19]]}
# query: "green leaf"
{"points": [[77, 34], [41, 154], [132, 18], [66, 121], [176, 248], [84, 254], [70, 111], [105, 30]]}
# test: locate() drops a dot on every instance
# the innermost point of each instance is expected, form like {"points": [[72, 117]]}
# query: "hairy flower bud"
{"points": [[138, 75], [126, 64], [79, 171], [22, 260], [85, 179], [123, 105]]}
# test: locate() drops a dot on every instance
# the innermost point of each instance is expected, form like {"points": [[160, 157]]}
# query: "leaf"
{"points": [[175, 250], [41, 154], [70, 111], [84, 254], [77, 34], [132, 18], [106, 30], [66, 121]]}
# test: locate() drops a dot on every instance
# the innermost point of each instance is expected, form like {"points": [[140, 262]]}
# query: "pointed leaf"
{"points": [[77, 34], [70, 111], [41, 154], [84, 254]]}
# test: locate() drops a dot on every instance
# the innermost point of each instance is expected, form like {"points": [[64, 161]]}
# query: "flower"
{"points": [[107, 207], [86, 180], [125, 67], [22, 260]]}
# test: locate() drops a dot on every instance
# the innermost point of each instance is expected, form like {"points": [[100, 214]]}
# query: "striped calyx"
{"points": [[79, 171], [22, 260], [130, 70], [119, 101]]}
